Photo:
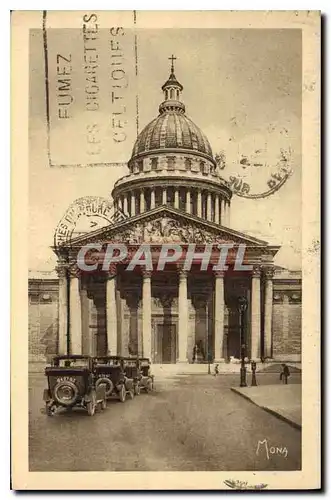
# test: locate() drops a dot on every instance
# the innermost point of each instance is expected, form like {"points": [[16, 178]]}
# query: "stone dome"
{"points": [[172, 129], [172, 165]]}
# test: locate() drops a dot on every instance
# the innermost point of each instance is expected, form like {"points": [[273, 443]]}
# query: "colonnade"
{"points": [[75, 314], [210, 206]]}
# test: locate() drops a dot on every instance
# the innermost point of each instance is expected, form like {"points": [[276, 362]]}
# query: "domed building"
{"points": [[172, 194], [172, 164]]}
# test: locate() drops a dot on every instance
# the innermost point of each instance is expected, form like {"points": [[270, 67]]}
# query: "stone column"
{"points": [[152, 198], [219, 316], [217, 210], [188, 201], [199, 203], [120, 203], [133, 205], [209, 206], [63, 309], [75, 314], [164, 196], [221, 215], [227, 214], [224, 213], [147, 315], [182, 318], [256, 314], [268, 313], [111, 315], [86, 333], [142, 202], [125, 204], [176, 198]]}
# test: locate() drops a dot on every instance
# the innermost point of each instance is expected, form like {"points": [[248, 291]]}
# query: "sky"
{"points": [[242, 87]]}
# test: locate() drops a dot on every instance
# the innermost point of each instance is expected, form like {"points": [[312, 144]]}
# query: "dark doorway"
{"points": [[165, 343]]}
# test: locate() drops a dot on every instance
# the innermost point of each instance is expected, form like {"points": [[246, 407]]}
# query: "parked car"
{"points": [[133, 373], [147, 379], [110, 371], [72, 383]]}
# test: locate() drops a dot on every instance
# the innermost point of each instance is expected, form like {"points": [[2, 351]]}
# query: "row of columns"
{"points": [[221, 215], [75, 315]]}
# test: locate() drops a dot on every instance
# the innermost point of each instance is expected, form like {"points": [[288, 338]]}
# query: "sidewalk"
{"points": [[283, 401]]}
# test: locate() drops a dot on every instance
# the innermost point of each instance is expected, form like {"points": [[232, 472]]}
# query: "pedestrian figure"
{"points": [[195, 353], [216, 372], [285, 373]]}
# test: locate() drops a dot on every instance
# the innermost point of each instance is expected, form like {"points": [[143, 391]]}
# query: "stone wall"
{"points": [[286, 319], [43, 319]]}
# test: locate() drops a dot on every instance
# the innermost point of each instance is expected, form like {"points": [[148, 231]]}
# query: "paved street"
{"points": [[189, 423]]}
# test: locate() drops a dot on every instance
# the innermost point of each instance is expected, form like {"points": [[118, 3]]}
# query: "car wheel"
{"points": [[66, 393], [90, 408], [122, 394], [108, 383], [137, 389], [49, 411], [149, 386]]}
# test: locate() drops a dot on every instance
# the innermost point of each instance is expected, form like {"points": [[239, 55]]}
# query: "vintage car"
{"points": [[72, 383], [110, 371], [147, 379], [132, 372]]}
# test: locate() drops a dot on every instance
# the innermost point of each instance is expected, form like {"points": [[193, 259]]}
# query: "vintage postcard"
{"points": [[166, 244]]}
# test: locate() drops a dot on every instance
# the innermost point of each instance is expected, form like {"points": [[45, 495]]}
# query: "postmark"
{"points": [[90, 83], [256, 175], [84, 215]]}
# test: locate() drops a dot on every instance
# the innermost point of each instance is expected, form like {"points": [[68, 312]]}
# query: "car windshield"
{"points": [[73, 363]]}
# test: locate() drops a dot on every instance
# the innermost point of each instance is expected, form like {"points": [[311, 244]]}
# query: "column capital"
{"points": [[268, 272], [219, 274], [256, 272], [61, 270], [112, 271], [146, 274], [74, 271], [182, 274]]}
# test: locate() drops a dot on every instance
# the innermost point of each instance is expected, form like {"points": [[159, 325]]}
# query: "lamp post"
{"points": [[242, 306], [208, 354]]}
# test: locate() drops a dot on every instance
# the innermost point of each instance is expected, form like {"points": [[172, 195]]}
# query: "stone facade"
{"points": [[43, 318], [286, 318]]}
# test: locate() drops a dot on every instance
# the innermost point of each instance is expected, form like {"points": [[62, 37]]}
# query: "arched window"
{"points": [[171, 93]]}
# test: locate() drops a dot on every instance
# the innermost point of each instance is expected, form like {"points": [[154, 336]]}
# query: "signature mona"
{"points": [[263, 447]]}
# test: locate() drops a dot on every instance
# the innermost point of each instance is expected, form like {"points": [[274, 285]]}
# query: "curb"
{"points": [[265, 408]]}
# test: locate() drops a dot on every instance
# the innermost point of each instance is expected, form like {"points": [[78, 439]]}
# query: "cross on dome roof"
{"points": [[172, 59], [172, 80]]}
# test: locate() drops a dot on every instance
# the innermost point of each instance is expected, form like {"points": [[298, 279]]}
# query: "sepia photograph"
{"points": [[169, 289]]}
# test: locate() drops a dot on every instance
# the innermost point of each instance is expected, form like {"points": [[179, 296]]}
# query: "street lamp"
{"points": [[242, 306], [208, 353]]}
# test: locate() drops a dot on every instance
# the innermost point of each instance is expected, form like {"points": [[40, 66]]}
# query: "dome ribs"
{"points": [[171, 135], [179, 131], [162, 139], [186, 134], [155, 137]]}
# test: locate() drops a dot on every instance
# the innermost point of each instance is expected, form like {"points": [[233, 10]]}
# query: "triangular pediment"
{"points": [[166, 225]]}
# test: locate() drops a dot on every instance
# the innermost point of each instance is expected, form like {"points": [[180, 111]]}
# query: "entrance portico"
{"points": [[164, 314]]}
